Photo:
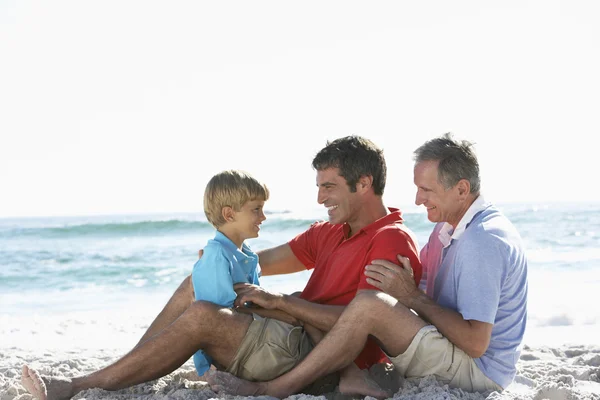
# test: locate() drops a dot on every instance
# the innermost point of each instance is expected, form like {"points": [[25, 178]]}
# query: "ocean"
{"points": [[63, 279]]}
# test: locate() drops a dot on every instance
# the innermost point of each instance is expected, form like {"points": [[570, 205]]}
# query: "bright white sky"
{"points": [[122, 106]]}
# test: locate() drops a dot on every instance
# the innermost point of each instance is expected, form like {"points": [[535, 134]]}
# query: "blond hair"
{"points": [[233, 189]]}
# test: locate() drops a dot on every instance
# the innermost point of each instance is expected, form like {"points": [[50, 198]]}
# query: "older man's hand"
{"points": [[396, 280]]}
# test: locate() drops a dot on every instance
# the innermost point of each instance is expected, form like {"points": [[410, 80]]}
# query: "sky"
{"points": [[131, 106]]}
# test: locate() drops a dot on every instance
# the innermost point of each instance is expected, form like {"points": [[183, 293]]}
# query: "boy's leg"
{"points": [[218, 331], [182, 298]]}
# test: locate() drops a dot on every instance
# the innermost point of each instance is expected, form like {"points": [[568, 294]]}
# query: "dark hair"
{"points": [[457, 160], [355, 156]]}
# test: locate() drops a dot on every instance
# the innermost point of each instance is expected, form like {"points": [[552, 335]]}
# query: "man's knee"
{"points": [[374, 298], [203, 310], [186, 288], [370, 302]]}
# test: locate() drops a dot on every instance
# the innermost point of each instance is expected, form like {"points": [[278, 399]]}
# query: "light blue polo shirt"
{"points": [[480, 271], [222, 265]]}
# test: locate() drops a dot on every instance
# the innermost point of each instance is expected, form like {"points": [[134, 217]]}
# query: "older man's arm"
{"points": [[472, 336]]}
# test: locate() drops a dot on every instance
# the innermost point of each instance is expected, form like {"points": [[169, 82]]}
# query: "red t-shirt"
{"points": [[339, 263]]}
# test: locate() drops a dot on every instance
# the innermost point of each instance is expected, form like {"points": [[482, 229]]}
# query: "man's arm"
{"points": [[320, 316], [473, 337], [274, 314], [276, 260], [279, 260]]}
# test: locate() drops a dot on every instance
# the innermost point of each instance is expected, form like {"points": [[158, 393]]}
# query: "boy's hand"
{"points": [[200, 252], [256, 295]]}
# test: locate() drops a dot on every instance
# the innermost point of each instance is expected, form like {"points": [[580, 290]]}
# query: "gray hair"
{"points": [[457, 160]]}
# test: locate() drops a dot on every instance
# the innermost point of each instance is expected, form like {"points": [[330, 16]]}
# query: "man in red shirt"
{"points": [[351, 174]]}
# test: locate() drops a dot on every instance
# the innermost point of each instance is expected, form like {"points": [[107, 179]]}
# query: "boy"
{"points": [[233, 204]]}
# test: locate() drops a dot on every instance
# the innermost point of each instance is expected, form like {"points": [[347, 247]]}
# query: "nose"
{"points": [[262, 216], [419, 198], [321, 196]]}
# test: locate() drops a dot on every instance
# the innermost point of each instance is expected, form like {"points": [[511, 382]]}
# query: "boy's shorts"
{"points": [[430, 353], [269, 349]]}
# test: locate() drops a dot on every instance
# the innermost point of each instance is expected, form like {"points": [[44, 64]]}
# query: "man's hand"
{"points": [[257, 295], [396, 280]]}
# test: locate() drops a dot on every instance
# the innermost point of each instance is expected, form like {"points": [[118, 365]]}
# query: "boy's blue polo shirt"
{"points": [[222, 265]]}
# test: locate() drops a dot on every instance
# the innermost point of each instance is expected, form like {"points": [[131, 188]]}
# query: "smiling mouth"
{"points": [[331, 208]]}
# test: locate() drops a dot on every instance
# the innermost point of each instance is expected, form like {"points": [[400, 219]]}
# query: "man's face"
{"points": [[442, 204], [335, 194]]}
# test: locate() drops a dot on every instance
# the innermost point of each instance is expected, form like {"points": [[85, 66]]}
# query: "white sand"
{"points": [[69, 347], [571, 372]]}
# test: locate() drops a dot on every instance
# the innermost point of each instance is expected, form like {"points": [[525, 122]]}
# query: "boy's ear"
{"points": [[228, 214]]}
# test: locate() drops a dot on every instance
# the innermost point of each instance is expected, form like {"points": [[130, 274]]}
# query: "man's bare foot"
{"points": [[32, 381], [226, 383], [356, 381], [46, 388]]}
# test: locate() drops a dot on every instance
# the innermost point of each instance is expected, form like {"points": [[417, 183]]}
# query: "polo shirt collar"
{"points": [[394, 216], [229, 245], [446, 234]]}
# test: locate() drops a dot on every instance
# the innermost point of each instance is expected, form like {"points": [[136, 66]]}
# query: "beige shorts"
{"points": [[269, 349], [430, 353]]}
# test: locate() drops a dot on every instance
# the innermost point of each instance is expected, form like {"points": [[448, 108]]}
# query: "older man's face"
{"points": [[442, 204]]}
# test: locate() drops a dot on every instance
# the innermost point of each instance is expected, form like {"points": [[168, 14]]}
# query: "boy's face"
{"points": [[247, 220]]}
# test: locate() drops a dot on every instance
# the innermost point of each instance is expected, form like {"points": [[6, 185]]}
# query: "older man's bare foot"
{"points": [[226, 383], [46, 388], [356, 381]]}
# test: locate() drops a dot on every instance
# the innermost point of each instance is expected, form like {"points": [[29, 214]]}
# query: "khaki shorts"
{"points": [[430, 353], [269, 349]]}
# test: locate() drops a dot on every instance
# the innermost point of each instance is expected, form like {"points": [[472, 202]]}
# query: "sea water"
{"points": [[100, 269]]}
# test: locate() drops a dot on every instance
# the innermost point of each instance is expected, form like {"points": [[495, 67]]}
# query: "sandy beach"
{"points": [[75, 345], [570, 372]]}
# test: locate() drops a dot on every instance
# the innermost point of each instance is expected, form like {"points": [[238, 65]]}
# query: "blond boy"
{"points": [[233, 204]]}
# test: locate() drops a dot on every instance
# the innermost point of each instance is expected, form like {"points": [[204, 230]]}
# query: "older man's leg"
{"points": [[370, 313], [182, 298], [218, 331]]}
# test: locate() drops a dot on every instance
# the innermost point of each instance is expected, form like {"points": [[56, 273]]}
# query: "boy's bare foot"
{"points": [[356, 381], [46, 388], [226, 383]]}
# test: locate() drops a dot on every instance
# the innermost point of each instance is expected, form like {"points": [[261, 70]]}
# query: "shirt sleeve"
{"points": [[305, 245], [386, 245], [212, 281]]}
